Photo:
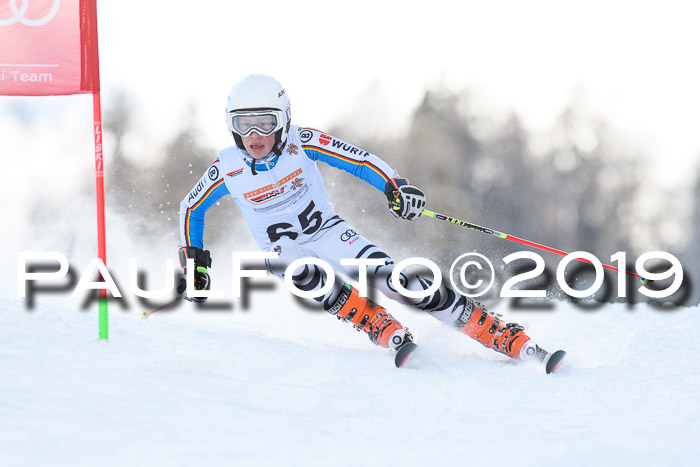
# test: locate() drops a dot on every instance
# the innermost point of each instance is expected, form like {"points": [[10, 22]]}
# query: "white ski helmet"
{"points": [[261, 97]]}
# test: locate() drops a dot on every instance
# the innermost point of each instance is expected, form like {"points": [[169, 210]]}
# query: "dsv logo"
{"points": [[347, 235], [19, 15]]}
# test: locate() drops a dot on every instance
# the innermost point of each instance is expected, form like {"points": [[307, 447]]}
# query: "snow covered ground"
{"points": [[280, 385]]}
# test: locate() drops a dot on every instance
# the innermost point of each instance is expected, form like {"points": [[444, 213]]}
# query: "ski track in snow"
{"points": [[293, 387]]}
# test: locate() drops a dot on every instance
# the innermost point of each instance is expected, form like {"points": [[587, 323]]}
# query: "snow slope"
{"points": [[278, 385]]}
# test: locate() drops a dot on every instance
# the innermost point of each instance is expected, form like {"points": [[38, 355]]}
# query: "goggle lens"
{"points": [[263, 124]]}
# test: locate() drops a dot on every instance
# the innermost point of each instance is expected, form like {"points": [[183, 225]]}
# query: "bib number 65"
{"points": [[309, 220]]}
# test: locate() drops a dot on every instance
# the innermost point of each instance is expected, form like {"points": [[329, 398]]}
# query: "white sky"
{"points": [[634, 62]]}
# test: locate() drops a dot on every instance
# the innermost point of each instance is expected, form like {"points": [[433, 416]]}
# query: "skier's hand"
{"points": [[405, 201], [202, 281]]}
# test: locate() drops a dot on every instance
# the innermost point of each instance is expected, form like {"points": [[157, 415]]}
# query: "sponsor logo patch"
{"points": [[325, 139], [268, 192], [235, 172], [349, 148], [265, 197], [197, 190], [305, 136], [347, 235], [297, 183]]}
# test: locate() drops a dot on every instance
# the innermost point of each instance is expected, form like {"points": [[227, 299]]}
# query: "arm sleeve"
{"points": [[319, 146], [194, 206]]}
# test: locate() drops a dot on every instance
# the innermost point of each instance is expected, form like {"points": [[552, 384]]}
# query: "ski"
{"points": [[550, 361], [554, 361], [403, 352]]}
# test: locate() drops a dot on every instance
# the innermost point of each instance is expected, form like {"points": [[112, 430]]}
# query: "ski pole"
{"points": [[145, 313], [512, 238]]}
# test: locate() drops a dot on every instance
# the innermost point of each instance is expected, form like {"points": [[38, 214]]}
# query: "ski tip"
{"points": [[554, 360], [403, 353]]}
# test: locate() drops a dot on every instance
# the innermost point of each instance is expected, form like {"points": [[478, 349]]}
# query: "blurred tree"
{"points": [[123, 178], [149, 192], [596, 183], [440, 153], [691, 258]]}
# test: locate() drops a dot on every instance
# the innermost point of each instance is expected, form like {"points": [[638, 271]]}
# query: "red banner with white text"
{"points": [[48, 47]]}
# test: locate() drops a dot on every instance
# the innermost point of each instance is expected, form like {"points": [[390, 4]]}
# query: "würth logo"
{"points": [[325, 139]]}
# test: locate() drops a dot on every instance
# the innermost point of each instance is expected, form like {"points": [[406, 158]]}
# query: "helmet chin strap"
{"points": [[276, 151], [279, 145]]}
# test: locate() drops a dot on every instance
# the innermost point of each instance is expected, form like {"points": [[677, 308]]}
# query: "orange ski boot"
{"points": [[382, 328], [487, 328]]}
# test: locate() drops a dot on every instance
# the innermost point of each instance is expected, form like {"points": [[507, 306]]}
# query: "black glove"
{"points": [[202, 262], [405, 200]]}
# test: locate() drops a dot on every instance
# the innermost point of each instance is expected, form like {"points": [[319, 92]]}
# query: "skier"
{"points": [[271, 173]]}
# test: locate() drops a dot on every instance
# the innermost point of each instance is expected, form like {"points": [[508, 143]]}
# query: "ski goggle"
{"points": [[263, 122]]}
